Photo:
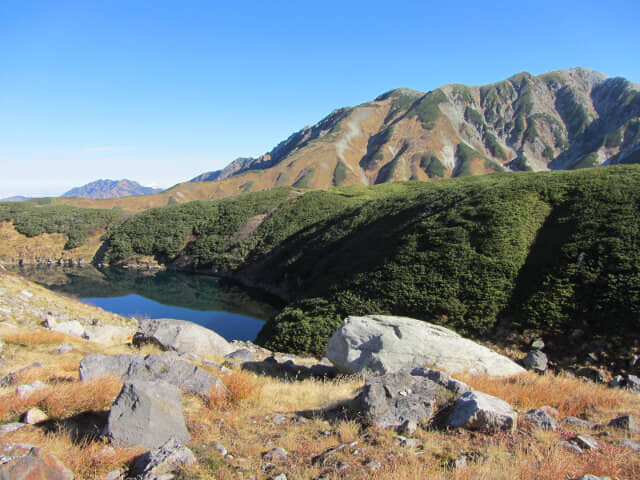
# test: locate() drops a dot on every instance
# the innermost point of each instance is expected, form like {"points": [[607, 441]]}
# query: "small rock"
{"points": [[591, 477], [537, 344], [241, 355], [585, 442], [279, 419], [280, 476], [460, 462], [34, 416], [113, 475], [220, 448], [24, 461], [591, 373], [536, 360], [570, 446], [409, 427], [275, 454], [616, 382], [625, 422], [167, 458], [24, 391], [542, 419], [373, 465], [62, 349], [479, 411], [631, 444], [633, 383], [553, 412], [578, 422], [10, 427]]}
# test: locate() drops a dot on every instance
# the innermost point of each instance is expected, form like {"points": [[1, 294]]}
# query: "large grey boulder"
{"points": [[392, 399], [181, 336], [536, 360], [479, 411], [165, 459], [22, 461], [383, 344], [166, 367], [147, 414]]}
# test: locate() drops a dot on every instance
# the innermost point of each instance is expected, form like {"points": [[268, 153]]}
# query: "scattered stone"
{"points": [[591, 477], [373, 465], [167, 458], [280, 476], [631, 444], [383, 344], [633, 383], [107, 334], [24, 391], [408, 427], [392, 399], [616, 382], [541, 419], [275, 454], [220, 448], [536, 360], [147, 413], [166, 367], [114, 475], [553, 412], [21, 461], [242, 355], [570, 446], [10, 427], [585, 442], [537, 344], [456, 463], [181, 336], [279, 419], [591, 373], [72, 327], [479, 411], [62, 349], [578, 422], [34, 416], [455, 386], [408, 442], [625, 422]]}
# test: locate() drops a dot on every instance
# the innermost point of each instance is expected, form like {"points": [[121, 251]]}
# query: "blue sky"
{"points": [[162, 91]]}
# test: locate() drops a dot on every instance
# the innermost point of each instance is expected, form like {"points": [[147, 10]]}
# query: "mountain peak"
{"points": [[106, 188]]}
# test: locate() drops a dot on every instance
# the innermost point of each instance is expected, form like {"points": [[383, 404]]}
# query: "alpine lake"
{"points": [[232, 311]]}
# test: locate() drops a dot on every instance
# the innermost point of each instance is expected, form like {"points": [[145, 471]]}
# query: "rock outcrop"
{"points": [[181, 336], [479, 411], [166, 367], [147, 413], [22, 461], [382, 344], [165, 459]]}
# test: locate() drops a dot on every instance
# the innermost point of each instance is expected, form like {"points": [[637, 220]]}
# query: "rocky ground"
{"points": [[86, 394]]}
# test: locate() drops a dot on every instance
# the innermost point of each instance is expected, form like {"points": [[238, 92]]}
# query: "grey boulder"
{"points": [[479, 411], [167, 458], [536, 360], [147, 414], [166, 367], [181, 336], [25, 461], [541, 419], [392, 399], [383, 344]]}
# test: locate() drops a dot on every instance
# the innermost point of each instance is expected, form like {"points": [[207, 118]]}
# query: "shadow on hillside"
{"points": [[82, 428]]}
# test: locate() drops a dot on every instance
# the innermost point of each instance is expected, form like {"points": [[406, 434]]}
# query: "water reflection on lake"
{"points": [[228, 309]]}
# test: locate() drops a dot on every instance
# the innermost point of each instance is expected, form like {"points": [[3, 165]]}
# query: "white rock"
{"points": [[34, 415], [108, 334], [383, 344], [72, 327], [479, 411]]}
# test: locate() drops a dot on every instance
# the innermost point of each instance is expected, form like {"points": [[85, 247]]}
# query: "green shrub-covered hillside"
{"points": [[551, 251], [32, 219]]}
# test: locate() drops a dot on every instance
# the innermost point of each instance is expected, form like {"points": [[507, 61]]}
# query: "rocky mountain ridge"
{"points": [[105, 188], [564, 119]]}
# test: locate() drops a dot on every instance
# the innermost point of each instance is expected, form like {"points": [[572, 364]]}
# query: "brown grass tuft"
{"points": [[529, 390], [64, 399], [241, 386]]}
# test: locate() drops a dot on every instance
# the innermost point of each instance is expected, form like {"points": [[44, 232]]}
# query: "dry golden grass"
{"points": [[241, 386], [570, 396], [63, 399], [36, 337]]}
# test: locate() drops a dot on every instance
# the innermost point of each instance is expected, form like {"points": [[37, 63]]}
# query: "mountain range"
{"points": [[564, 119], [101, 189]]}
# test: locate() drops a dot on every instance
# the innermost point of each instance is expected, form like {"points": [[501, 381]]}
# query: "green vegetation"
{"points": [[428, 108], [464, 157], [474, 117], [520, 164], [304, 180], [247, 186], [77, 224], [613, 139], [282, 180], [339, 174], [374, 148], [590, 160], [531, 133], [548, 152], [432, 166], [462, 93], [550, 251], [492, 144]]}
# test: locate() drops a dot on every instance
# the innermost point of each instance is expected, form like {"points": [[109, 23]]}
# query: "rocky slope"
{"points": [[559, 120], [101, 189]]}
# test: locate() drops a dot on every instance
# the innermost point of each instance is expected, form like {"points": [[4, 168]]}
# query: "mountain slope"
{"points": [[559, 120], [101, 189]]}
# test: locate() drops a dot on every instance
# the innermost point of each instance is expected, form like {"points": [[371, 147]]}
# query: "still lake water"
{"points": [[224, 307]]}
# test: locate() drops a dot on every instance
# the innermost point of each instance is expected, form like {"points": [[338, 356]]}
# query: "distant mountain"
{"points": [[17, 198], [111, 189], [561, 120]]}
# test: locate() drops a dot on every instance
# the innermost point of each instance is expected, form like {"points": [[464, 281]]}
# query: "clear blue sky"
{"points": [[160, 91]]}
